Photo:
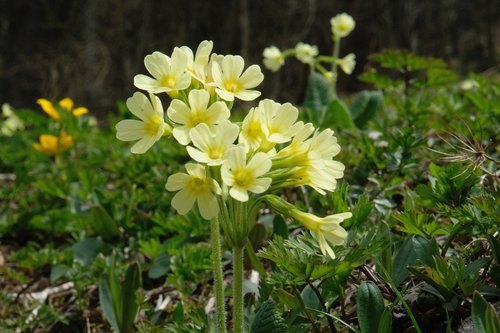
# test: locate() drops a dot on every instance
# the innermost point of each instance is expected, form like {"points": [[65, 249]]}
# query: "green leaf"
{"points": [[484, 316], [160, 266], [280, 228], [130, 304], [412, 249], [57, 272], [370, 307], [365, 106], [86, 250], [103, 223], [310, 298], [338, 116], [268, 319], [106, 301], [360, 213], [385, 323], [317, 93]]}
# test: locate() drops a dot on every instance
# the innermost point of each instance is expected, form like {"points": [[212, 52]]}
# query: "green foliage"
{"points": [[118, 298], [484, 316], [268, 319], [365, 106], [370, 307]]}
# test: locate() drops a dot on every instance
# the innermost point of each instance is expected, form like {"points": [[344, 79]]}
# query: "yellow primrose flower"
{"points": [[310, 159], [243, 177], [65, 103], [51, 145], [231, 83], [273, 58], [194, 186], [306, 53], [347, 63], [212, 145], [151, 126], [326, 229], [342, 25], [197, 64], [268, 124], [197, 112], [169, 74]]}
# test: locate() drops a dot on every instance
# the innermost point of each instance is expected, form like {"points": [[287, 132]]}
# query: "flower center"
{"points": [[232, 86], [253, 131], [198, 117], [215, 153], [242, 177], [152, 125], [168, 81], [197, 185]]}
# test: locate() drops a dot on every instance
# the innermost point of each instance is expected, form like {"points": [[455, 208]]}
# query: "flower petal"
{"points": [[130, 130], [183, 201]]}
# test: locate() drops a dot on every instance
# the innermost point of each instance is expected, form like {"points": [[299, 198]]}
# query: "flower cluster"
{"points": [[234, 164], [341, 25], [62, 112], [10, 122]]}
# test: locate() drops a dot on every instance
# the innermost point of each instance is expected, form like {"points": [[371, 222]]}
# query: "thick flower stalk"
{"points": [[237, 163]]}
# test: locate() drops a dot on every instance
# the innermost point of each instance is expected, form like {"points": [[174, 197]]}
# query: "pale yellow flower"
{"points": [[197, 112], [212, 145], [310, 160], [326, 230], [151, 126], [11, 123], [347, 63], [169, 74], [66, 103], [193, 187], [273, 58], [342, 25], [197, 64], [51, 145], [306, 53], [268, 124], [243, 176], [231, 82]]}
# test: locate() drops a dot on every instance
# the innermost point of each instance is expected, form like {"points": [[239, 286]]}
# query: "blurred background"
{"points": [[91, 50]]}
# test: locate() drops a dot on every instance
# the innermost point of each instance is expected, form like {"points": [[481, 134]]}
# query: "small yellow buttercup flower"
{"points": [[326, 229], [151, 126], [212, 145], [347, 63], [306, 53], [342, 25], [169, 74], [51, 145], [198, 111], [231, 82], [245, 177], [273, 58], [193, 187], [66, 103]]}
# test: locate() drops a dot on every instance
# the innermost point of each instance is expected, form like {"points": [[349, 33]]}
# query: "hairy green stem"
{"points": [[238, 318], [220, 311]]}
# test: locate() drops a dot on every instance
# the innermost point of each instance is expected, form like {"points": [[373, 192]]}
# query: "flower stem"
{"points": [[238, 318], [220, 311]]}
